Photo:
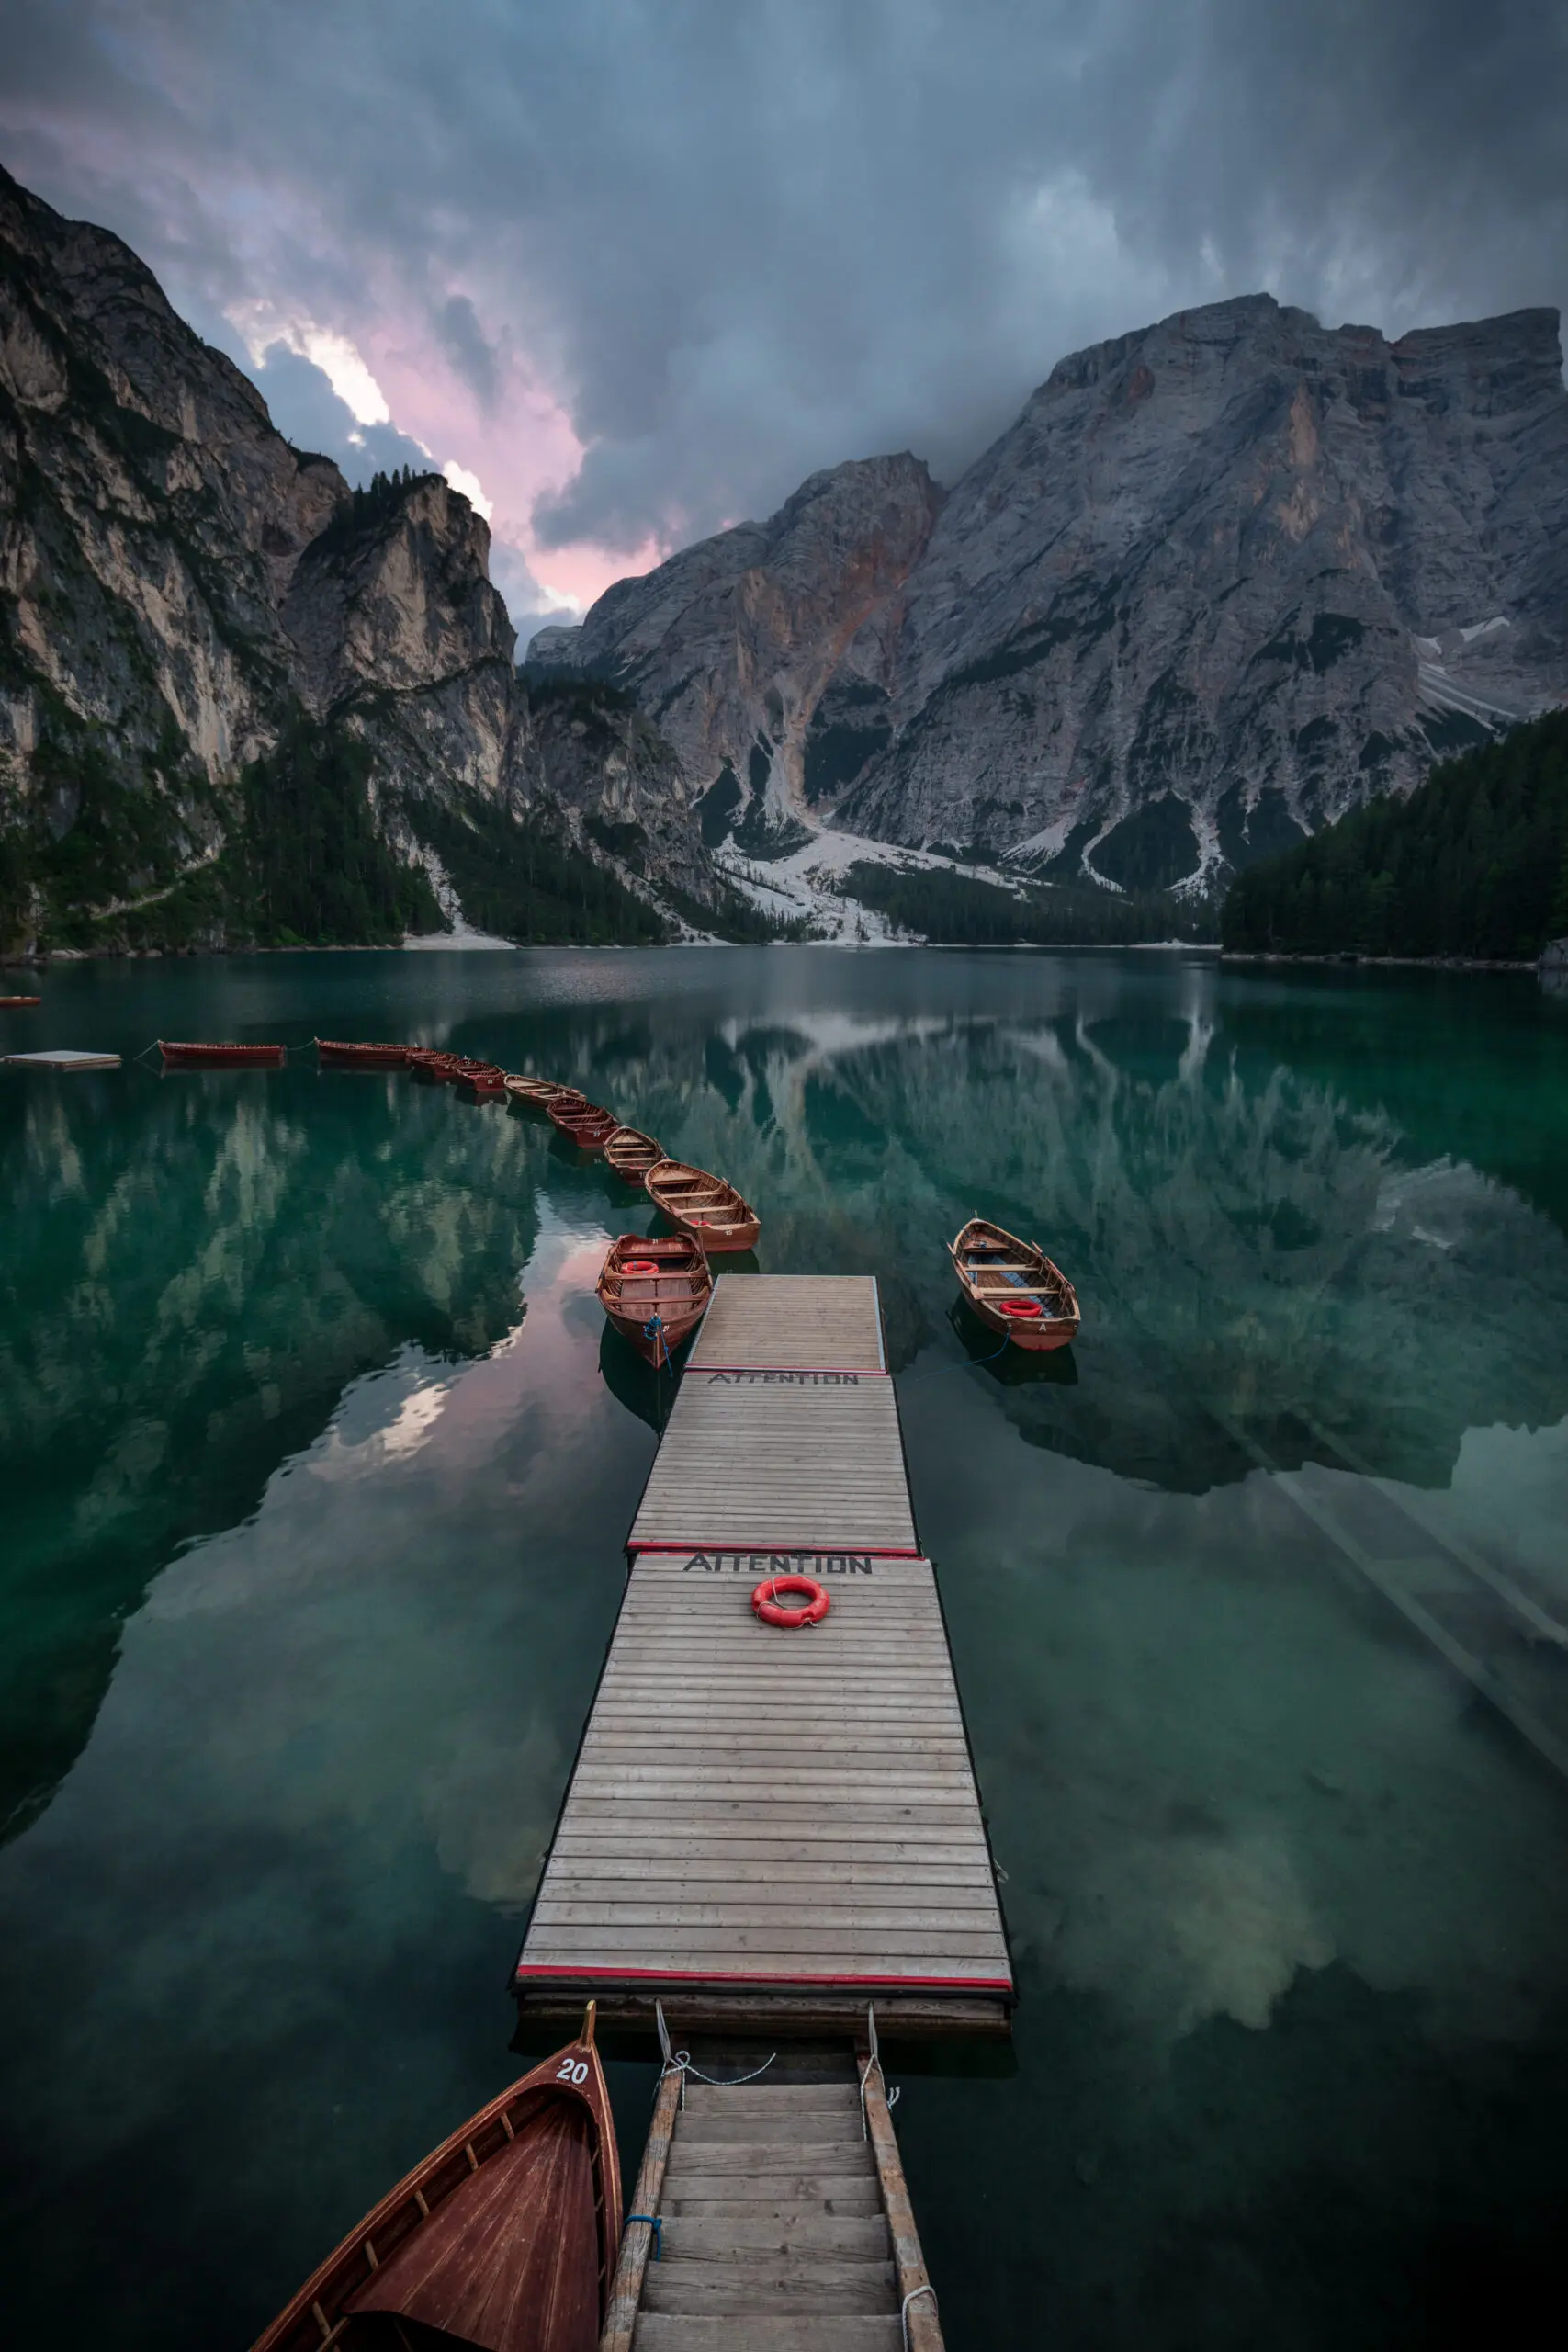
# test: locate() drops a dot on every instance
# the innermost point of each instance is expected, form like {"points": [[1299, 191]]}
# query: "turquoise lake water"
{"points": [[317, 1469]]}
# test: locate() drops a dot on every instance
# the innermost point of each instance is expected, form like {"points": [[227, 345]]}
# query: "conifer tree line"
{"points": [[1474, 864]]}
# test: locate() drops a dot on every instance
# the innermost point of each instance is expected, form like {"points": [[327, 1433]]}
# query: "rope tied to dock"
{"points": [[654, 1330], [874, 2059], [656, 2223], [904, 2309], [679, 2062]]}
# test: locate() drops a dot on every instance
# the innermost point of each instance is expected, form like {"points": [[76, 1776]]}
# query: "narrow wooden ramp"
{"points": [[785, 2225]]}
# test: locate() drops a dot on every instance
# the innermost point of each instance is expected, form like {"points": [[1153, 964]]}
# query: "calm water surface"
{"points": [[316, 1473]]}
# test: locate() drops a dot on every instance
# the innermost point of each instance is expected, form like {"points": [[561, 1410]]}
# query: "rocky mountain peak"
{"points": [[395, 590], [729, 644], [197, 619], [1224, 577]]}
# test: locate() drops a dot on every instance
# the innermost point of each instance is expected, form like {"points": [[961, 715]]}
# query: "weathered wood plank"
{"points": [[800, 2332], [917, 2299], [636, 2238], [798, 2145], [772, 2098], [709, 2239], [728, 1473], [752, 2290], [793, 1321]]}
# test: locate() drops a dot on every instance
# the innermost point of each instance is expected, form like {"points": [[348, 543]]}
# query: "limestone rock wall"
{"points": [[1223, 579]]}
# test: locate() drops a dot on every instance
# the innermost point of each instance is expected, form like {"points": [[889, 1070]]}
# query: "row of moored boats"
{"points": [[655, 1289]]}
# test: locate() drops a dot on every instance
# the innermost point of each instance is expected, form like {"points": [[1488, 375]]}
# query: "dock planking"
{"points": [[779, 1461], [792, 1323], [764, 1823], [787, 1817]]}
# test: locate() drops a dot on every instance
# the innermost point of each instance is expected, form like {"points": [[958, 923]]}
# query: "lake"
{"points": [[317, 1472]]}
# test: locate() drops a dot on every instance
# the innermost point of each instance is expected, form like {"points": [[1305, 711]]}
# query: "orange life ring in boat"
{"points": [[640, 1266], [1022, 1310], [764, 1601]]}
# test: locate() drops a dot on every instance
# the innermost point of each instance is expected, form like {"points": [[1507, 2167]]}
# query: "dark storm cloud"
{"points": [[742, 239], [463, 340]]}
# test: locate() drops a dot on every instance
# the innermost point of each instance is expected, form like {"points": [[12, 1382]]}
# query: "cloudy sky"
{"points": [[629, 269]]}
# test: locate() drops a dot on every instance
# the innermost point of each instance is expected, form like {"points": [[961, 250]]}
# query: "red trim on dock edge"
{"points": [[794, 1550], [537, 1969]]}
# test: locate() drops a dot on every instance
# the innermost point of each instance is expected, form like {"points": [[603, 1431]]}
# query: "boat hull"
{"points": [[340, 1056], [676, 1293], [1035, 1339], [996, 1269], [589, 1127], [704, 1206], [537, 1093], [631, 1154], [714, 1237], [506, 2236]]}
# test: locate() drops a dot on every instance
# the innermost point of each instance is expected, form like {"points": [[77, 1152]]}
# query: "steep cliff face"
{"points": [[203, 631], [1223, 579], [148, 519], [729, 645]]}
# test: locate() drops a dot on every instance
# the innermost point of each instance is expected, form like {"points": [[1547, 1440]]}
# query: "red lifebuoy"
{"points": [[766, 1603], [1022, 1310], [640, 1266]]}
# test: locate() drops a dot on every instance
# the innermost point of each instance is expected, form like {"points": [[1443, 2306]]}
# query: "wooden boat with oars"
{"points": [[707, 1208], [332, 1051], [631, 1154], [13, 1003], [428, 1064], [486, 1078], [196, 1056], [506, 2237], [587, 1125], [537, 1092], [1013, 1288], [655, 1292]]}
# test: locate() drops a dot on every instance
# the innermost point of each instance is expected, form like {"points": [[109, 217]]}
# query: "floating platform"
{"points": [[62, 1057], [768, 1829]]}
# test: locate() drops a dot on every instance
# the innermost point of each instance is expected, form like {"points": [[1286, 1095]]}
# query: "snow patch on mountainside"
{"points": [[808, 885]]}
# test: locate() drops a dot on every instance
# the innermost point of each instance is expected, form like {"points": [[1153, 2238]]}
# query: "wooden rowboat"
{"points": [[707, 1208], [1013, 1288], [331, 1050], [631, 1154], [537, 1092], [506, 2237], [428, 1066], [190, 1057], [655, 1293], [479, 1078], [10, 1003], [587, 1125]]}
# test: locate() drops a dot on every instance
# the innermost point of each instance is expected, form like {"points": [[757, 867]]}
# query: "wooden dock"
{"points": [[782, 2220], [768, 1829]]}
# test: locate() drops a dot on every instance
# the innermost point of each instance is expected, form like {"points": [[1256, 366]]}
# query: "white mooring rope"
{"points": [[679, 2062]]}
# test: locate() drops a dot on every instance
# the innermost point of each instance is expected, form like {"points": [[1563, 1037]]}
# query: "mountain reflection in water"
{"points": [[318, 1458]]}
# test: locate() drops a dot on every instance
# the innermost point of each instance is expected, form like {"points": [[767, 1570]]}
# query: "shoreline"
{"points": [[1383, 963]]}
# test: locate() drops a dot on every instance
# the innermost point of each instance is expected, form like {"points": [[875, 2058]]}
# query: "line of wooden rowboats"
{"points": [[656, 1289]]}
